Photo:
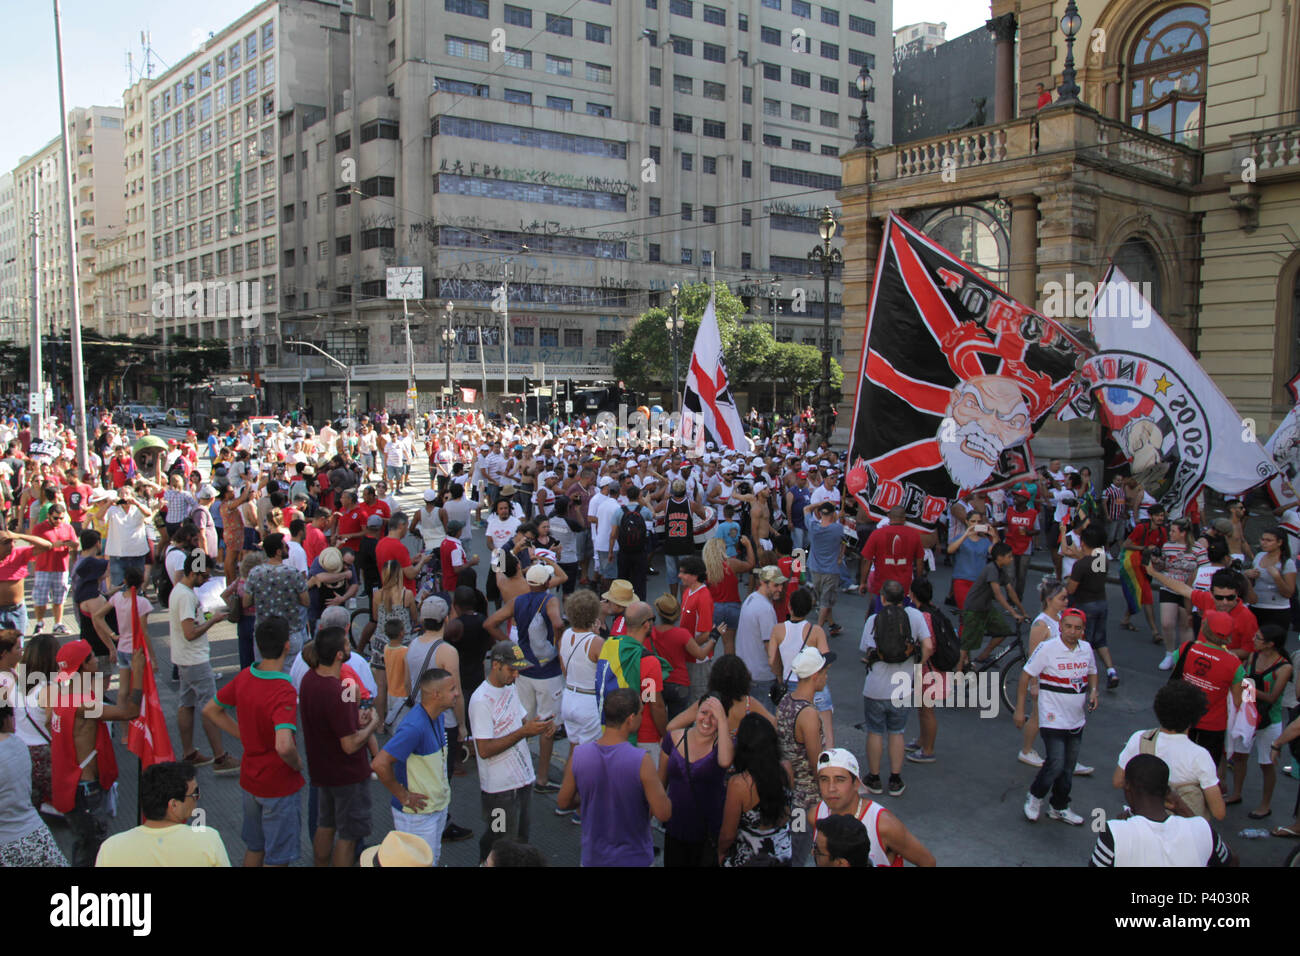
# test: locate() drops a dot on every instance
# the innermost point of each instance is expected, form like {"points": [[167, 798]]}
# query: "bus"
{"points": [[224, 403]]}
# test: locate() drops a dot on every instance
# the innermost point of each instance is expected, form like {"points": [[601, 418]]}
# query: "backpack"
{"points": [[162, 581], [631, 531], [893, 633], [947, 646], [1190, 793]]}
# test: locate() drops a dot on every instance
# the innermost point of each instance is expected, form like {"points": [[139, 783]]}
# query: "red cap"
{"points": [[1074, 612], [1218, 623], [70, 658]]}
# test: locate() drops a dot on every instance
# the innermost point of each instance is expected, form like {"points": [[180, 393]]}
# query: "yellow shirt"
{"points": [[177, 845]]}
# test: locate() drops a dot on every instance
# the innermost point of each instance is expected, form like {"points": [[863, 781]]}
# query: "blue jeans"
{"points": [[117, 568], [1057, 772], [1095, 628], [15, 616], [798, 537]]}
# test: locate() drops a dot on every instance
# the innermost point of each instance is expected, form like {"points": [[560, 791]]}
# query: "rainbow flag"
{"points": [[619, 665], [1133, 581]]}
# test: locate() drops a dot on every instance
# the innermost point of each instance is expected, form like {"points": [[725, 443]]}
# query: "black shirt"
{"points": [[473, 645], [1092, 584]]}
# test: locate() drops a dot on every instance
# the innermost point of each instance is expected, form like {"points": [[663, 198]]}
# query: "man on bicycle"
{"points": [[980, 618]]}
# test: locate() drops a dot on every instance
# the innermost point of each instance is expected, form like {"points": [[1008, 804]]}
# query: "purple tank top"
{"points": [[615, 814]]}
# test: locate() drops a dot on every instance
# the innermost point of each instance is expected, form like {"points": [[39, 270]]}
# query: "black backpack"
{"points": [[894, 643], [162, 581], [947, 646], [631, 531]]}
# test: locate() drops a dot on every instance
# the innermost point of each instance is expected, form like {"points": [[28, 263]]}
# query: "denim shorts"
{"points": [[272, 825], [124, 659], [884, 716], [726, 613], [607, 564]]}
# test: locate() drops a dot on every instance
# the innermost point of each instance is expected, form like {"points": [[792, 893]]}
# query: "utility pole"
{"points": [[505, 331], [76, 369], [34, 385]]}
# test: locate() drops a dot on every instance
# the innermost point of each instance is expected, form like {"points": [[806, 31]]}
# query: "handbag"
{"points": [[778, 690]]}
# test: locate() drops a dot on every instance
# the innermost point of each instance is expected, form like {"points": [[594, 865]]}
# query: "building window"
{"points": [[770, 35], [379, 129], [862, 58], [804, 177], [656, 76], [559, 103], [470, 49], [830, 150], [599, 73], [1166, 75], [801, 8], [653, 37], [830, 118], [681, 8], [654, 252], [706, 257], [655, 207], [462, 88], [688, 162], [862, 25], [715, 91], [656, 116], [599, 109], [715, 15], [342, 196], [747, 95], [830, 17], [597, 33], [608, 338], [711, 165], [772, 4], [523, 336], [683, 84], [518, 16], [523, 97], [392, 50], [830, 85], [747, 132], [377, 239], [801, 113], [377, 186], [683, 46], [771, 107], [548, 338], [519, 59], [342, 245], [655, 153], [772, 71], [714, 129], [715, 53], [801, 78], [771, 139], [688, 255], [688, 212], [682, 122], [746, 260], [830, 51], [710, 213], [573, 338], [559, 65], [392, 9], [342, 142], [801, 146], [561, 26]]}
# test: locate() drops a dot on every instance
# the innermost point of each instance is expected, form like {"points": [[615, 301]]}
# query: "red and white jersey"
{"points": [[1062, 682], [869, 813]]}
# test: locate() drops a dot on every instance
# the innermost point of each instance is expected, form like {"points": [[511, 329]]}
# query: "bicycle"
{"points": [[1009, 658]]}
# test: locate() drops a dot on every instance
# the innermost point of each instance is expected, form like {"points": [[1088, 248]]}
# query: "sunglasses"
{"points": [[1227, 598]]}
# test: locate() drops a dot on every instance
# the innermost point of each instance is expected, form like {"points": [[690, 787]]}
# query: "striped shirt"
{"points": [[1116, 502], [1062, 682]]}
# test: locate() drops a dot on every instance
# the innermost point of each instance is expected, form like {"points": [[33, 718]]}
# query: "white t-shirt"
{"points": [[883, 680], [1188, 762], [822, 493], [496, 712], [1176, 841], [501, 533], [608, 514], [1069, 539], [184, 604], [1062, 682], [297, 556], [126, 533], [121, 602], [174, 562]]}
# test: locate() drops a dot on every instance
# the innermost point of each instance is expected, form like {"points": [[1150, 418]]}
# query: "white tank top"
{"points": [[431, 530], [792, 643], [580, 670], [869, 814], [1053, 627]]}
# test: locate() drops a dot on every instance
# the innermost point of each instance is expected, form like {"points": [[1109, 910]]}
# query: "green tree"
{"points": [[798, 369], [192, 360], [644, 360]]}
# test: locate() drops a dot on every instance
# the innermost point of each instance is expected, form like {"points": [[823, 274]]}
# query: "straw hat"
{"points": [[399, 849], [620, 592]]}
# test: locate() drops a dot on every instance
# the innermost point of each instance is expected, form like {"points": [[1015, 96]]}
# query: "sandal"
{"points": [[1126, 625], [1157, 638], [1231, 801], [1256, 815], [1286, 832]]}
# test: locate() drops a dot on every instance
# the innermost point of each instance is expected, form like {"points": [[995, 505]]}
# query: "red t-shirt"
{"points": [[1214, 670], [378, 508], [783, 606], [670, 644], [13, 567], [697, 611], [76, 497], [1021, 526], [893, 550], [263, 702], [351, 524], [52, 559], [1244, 622], [314, 543], [391, 549], [1147, 535], [726, 591], [652, 678], [449, 547]]}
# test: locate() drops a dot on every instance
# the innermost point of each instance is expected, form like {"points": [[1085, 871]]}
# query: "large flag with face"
{"points": [[1284, 447], [708, 411], [1175, 427], [956, 377]]}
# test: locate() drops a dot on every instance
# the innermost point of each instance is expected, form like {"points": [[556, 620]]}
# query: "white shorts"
{"points": [[581, 718], [540, 696], [1264, 740]]}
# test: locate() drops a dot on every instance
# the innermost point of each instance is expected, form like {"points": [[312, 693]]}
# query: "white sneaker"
{"points": [[1033, 808], [1082, 770], [1065, 816], [1168, 662], [1032, 758]]}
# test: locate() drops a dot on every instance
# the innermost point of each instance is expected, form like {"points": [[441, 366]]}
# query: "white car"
{"points": [[177, 418]]}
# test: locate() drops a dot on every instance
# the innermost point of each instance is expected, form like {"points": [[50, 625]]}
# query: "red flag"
{"points": [[467, 395], [147, 735]]}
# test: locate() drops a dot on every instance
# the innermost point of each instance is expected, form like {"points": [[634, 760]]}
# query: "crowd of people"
{"points": [[511, 610]]}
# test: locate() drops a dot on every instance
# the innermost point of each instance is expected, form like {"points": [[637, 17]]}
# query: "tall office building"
{"points": [[13, 316], [600, 152]]}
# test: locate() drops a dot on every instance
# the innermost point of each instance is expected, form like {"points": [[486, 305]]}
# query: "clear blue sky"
{"points": [[98, 33]]}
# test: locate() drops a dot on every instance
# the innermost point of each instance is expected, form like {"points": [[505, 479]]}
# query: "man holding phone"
{"points": [[1064, 666]]}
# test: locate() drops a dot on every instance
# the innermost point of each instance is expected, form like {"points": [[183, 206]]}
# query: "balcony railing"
{"points": [[1276, 148]]}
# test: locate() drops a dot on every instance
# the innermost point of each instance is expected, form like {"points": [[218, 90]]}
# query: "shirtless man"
{"points": [[760, 516], [13, 572], [83, 766]]}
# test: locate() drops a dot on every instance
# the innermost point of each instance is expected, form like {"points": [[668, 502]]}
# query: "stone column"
{"points": [[862, 237], [1113, 105], [1023, 274], [1003, 29]]}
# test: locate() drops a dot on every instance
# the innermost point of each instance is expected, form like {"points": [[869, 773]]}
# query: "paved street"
{"points": [[966, 807]]}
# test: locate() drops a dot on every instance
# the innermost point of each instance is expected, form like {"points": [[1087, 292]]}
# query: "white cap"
{"points": [[538, 574], [840, 758], [808, 662], [430, 494], [604, 480]]}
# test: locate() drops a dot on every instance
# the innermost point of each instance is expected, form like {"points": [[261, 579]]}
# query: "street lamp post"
{"points": [[674, 326], [448, 337], [1068, 91], [347, 369], [827, 258], [866, 127], [774, 295]]}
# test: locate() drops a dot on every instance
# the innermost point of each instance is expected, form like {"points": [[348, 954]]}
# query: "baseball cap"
{"points": [[74, 653], [430, 494], [840, 758], [605, 481], [336, 616], [433, 609], [508, 652], [1219, 623], [771, 574], [809, 661], [206, 492], [375, 521], [538, 574]]}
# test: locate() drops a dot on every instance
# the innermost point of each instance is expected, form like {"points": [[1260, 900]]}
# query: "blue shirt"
{"points": [[799, 498], [971, 557], [417, 739], [729, 532], [824, 547]]}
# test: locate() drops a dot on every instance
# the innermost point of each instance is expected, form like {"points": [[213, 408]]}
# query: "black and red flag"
{"points": [[956, 376]]}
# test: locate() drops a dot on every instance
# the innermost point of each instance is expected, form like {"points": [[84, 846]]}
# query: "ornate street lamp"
{"points": [[1068, 91], [828, 259], [674, 325], [448, 337], [866, 127]]}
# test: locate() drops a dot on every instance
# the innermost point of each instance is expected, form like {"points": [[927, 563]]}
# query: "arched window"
{"points": [[1166, 75], [1137, 260], [974, 233]]}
